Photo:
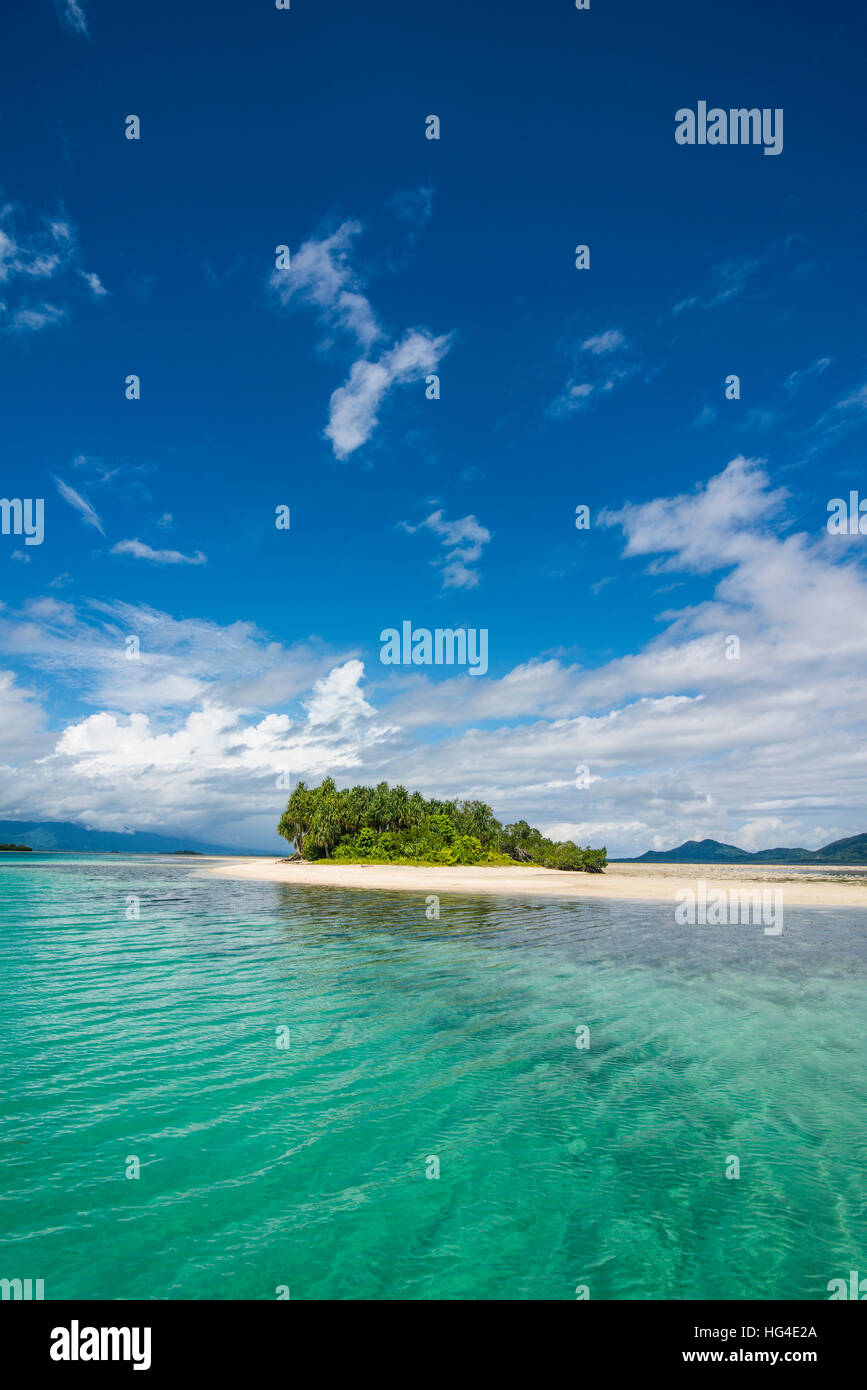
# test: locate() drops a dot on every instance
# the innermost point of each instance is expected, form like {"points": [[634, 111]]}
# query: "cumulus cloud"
{"points": [[680, 740], [237, 768], [736, 501]]}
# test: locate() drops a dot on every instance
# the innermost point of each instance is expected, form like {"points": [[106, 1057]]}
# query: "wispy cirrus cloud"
{"points": [[603, 343], [414, 206], [795, 380], [140, 551], [840, 419], [72, 16], [592, 381], [82, 506], [44, 254], [727, 281]]}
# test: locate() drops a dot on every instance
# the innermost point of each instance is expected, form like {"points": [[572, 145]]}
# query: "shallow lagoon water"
{"points": [[264, 1166]]}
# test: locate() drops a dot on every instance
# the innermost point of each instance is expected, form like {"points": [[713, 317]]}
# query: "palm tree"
{"points": [[295, 821], [354, 803], [328, 817], [380, 807], [399, 811]]}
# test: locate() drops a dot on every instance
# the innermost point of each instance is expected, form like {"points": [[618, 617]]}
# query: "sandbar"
{"points": [[825, 886]]}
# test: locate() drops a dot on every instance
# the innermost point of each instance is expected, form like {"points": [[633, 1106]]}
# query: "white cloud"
{"points": [[34, 318], [609, 341], [72, 15], [140, 551], [46, 253], [727, 281], [337, 698], [182, 663], [23, 725], [414, 207], [795, 380], [584, 389], [80, 504], [94, 284], [680, 741], [320, 276], [463, 540], [576, 395], [856, 402], [354, 408], [705, 528]]}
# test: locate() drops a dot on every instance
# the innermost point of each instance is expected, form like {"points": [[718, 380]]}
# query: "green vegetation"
{"points": [[19, 848], [389, 825]]}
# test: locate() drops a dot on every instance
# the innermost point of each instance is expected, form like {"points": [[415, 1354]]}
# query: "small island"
{"points": [[389, 825], [17, 849]]}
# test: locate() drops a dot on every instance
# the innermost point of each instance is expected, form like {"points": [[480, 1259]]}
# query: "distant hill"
{"points": [[850, 851], [65, 835]]}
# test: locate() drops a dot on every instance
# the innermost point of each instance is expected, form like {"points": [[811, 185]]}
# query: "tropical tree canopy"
{"points": [[384, 824]]}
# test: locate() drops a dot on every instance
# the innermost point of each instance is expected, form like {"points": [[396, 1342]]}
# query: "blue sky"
{"points": [[260, 647]]}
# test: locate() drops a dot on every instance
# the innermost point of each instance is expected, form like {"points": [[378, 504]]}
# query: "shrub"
{"points": [[595, 860], [466, 849], [365, 841], [564, 856]]}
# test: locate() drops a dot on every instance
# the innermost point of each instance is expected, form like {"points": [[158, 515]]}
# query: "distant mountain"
{"points": [[850, 851], [65, 835]]}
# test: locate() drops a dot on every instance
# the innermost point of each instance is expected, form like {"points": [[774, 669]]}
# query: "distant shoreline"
{"points": [[645, 883]]}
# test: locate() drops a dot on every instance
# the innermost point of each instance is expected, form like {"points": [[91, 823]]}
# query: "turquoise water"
{"points": [[305, 1166]]}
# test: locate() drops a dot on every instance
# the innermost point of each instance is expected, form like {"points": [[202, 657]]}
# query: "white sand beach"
{"points": [[837, 886]]}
